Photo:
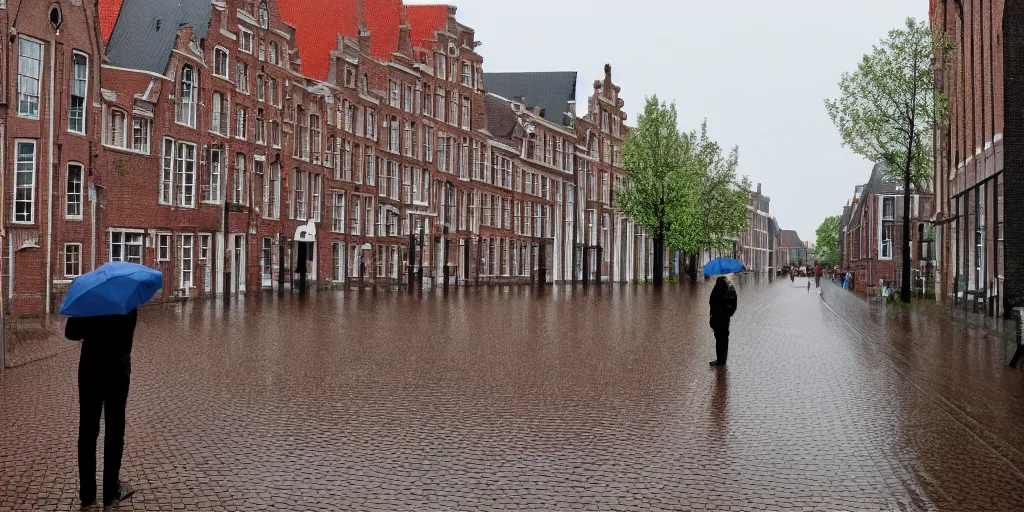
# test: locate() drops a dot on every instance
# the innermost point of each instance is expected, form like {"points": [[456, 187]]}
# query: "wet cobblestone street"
{"points": [[565, 399]]}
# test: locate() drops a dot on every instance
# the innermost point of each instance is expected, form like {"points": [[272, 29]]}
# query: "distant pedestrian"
{"points": [[818, 272], [723, 306], [104, 371]]}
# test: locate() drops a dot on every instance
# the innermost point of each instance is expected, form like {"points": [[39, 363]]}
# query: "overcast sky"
{"points": [[759, 71]]}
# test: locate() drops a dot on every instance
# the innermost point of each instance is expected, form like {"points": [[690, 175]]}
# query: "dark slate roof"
{"points": [[136, 43], [789, 238], [501, 120], [549, 90]]}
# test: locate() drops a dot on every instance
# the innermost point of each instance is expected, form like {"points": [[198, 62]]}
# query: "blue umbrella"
{"points": [[115, 288], [721, 266]]}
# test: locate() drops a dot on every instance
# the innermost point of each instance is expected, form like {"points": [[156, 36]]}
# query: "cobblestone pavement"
{"points": [[556, 400]]}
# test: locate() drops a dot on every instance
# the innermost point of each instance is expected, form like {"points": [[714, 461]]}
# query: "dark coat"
{"points": [[106, 343], [722, 302]]}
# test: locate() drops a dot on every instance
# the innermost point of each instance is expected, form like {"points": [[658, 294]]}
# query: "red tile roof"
{"points": [[109, 10], [317, 27], [424, 20]]}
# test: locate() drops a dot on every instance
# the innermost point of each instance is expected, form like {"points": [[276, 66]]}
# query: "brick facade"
{"points": [[225, 163]]}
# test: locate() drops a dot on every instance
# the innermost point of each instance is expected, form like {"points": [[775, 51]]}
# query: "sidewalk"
{"points": [[33, 339]]}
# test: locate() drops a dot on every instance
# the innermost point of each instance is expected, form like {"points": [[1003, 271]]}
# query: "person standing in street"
{"points": [[104, 371], [723, 306], [818, 272]]}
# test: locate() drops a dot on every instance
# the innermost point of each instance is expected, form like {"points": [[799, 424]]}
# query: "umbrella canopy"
{"points": [[115, 288], [721, 266]]}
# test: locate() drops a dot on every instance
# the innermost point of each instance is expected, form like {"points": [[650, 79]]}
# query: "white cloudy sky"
{"points": [[758, 70]]}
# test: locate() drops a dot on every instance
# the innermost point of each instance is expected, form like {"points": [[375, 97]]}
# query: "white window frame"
{"points": [[163, 251], [30, 170], [76, 262], [185, 112], [143, 124], [83, 97], [205, 241], [69, 196], [225, 72], [245, 38], [185, 188], [124, 244], [25, 99], [186, 244], [215, 176], [168, 158], [116, 127]]}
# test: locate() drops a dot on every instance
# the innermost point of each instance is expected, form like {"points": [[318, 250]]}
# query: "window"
{"points": [[371, 124], [72, 260], [73, 197], [275, 134], [242, 77], [393, 140], [888, 208], [466, 112], [238, 190], [30, 68], [441, 101], [185, 246], [220, 62], [442, 155], [241, 119], [427, 101], [442, 66], [272, 54], [262, 50], [126, 246], [163, 252], [885, 248], [346, 162], [338, 213], [329, 154], [79, 84], [167, 172], [260, 127], [25, 182], [272, 193], [299, 194], [186, 181], [394, 92], [116, 128], [408, 98], [245, 41], [371, 178], [467, 75], [356, 214], [211, 192], [453, 110], [261, 88], [314, 128], [204, 246], [428, 143], [264, 15], [140, 135], [316, 184], [338, 261], [272, 92], [186, 111], [219, 121]]}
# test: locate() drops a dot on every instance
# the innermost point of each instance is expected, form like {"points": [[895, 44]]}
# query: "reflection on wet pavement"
{"points": [[555, 399]]}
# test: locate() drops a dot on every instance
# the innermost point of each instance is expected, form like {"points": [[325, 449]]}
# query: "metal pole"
{"points": [[412, 258], [444, 258]]}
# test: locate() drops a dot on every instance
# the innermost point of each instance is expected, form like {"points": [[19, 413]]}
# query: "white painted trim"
{"points": [[131, 70]]}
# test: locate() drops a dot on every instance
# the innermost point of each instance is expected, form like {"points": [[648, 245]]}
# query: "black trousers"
{"points": [[108, 394], [721, 340]]}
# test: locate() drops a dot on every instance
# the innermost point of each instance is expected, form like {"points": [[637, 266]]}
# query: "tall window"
{"points": [[338, 213], [272, 93], [220, 115], [238, 190], [394, 92], [441, 101], [272, 53], [241, 120], [428, 143], [245, 41], [73, 197], [186, 112], [116, 128], [314, 128], [72, 260], [260, 127], [126, 246], [261, 88], [25, 182], [427, 101], [371, 124], [212, 190], [264, 15], [185, 247], [299, 192], [885, 249], [275, 134], [242, 77], [163, 247], [30, 68], [408, 98], [393, 140], [186, 177], [442, 66], [316, 185], [272, 193], [220, 62], [167, 172], [466, 119], [467, 75], [79, 83]]}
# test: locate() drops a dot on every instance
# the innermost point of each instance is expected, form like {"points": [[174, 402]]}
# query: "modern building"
{"points": [[981, 257], [791, 251], [872, 237]]}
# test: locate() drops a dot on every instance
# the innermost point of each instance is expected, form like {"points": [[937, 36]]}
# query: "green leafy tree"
{"points": [[716, 213], [656, 192], [885, 113], [827, 245]]}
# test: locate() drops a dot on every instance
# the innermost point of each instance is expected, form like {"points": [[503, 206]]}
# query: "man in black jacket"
{"points": [[104, 371], [723, 305]]}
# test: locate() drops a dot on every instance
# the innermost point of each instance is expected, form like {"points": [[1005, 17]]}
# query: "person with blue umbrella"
{"points": [[723, 304], [102, 306]]}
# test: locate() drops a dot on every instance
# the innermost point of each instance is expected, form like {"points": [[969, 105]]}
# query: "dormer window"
{"points": [[264, 15]]}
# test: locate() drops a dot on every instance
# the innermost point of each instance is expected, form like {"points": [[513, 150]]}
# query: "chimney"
{"points": [[405, 36]]}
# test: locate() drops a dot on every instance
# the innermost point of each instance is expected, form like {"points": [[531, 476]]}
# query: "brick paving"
{"points": [[572, 400]]}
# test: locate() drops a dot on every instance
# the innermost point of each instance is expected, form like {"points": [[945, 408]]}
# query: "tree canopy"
{"points": [[885, 113], [827, 245]]}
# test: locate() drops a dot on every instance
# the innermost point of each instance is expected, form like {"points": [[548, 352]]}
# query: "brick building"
{"points": [[980, 256], [755, 245], [872, 234], [240, 145], [791, 251]]}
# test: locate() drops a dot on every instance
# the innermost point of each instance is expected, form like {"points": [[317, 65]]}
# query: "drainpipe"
{"points": [[49, 190]]}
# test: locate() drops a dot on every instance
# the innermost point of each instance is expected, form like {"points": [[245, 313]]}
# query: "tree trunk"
{"points": [[905, 281], [692, 267], [659, 257], [672, 265]]}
